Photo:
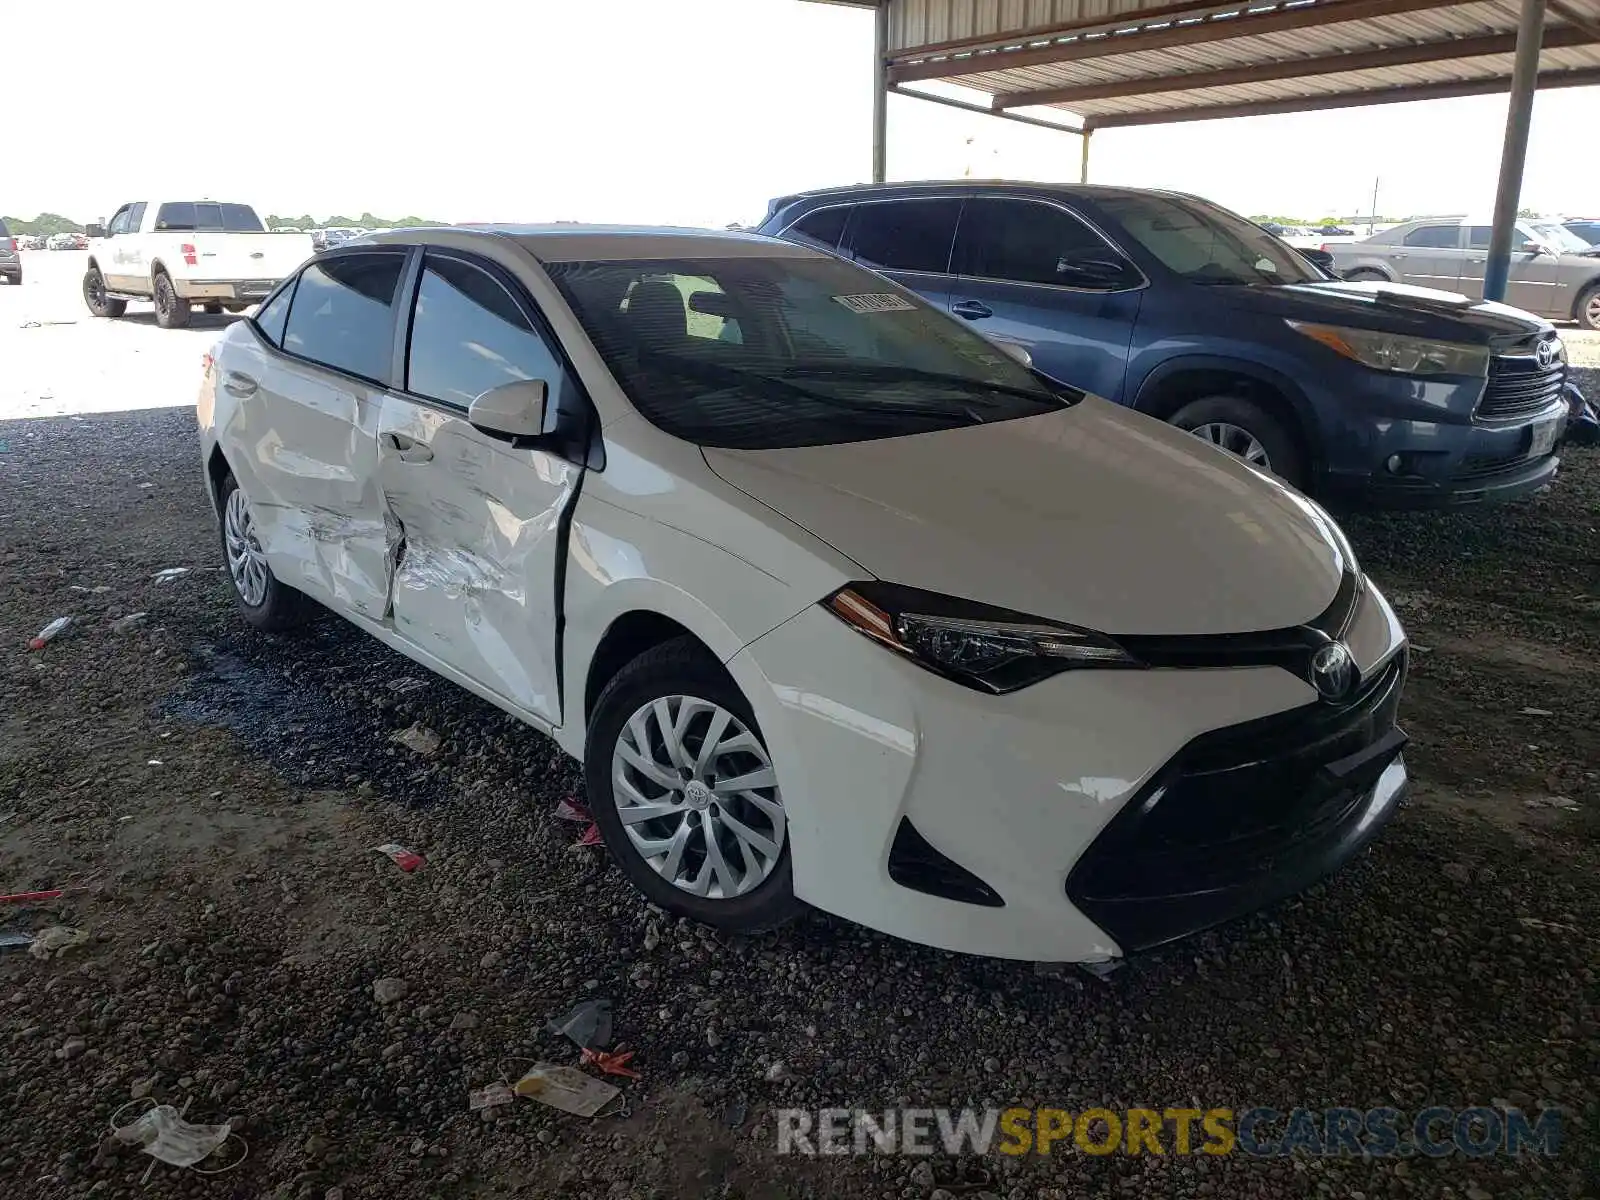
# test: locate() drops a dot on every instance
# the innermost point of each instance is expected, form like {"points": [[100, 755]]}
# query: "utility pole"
{"points": [[1372, 224]]}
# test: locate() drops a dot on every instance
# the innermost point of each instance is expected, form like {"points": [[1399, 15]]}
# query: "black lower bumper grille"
{"points": [[1240, 817]]}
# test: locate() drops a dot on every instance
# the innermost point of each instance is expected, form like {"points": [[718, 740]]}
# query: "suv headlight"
{"points": [[991, 649], [1397, 353]]}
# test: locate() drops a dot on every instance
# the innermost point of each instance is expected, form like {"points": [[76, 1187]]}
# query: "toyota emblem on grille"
{"points": [[1545, 353], [1333, 672]]}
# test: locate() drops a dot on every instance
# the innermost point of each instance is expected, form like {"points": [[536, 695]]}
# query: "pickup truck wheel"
{"points": [[1245, 429], [172, 310], [1588, 310], [685, 794], [266, 603], [94, 295]]}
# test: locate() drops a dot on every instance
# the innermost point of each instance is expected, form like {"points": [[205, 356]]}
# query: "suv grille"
{"points": [[1519, 387]]}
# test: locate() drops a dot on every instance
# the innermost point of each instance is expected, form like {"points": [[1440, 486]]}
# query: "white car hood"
{"points": [[1093, 515]]}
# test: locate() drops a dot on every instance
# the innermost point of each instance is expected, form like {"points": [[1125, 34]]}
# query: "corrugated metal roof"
{"points": [[1123, 61]]}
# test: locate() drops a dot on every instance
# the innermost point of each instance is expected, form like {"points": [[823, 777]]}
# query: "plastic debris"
{"points": [[36, 897], [1101, 970], [609, 1064], [418, 739], [492, 1096], [56, 941], [168, 574], [587, 1026], [162, 1133], [405, 684], [10, 940], [48, 633], [591, 837], [131, 621], [570, 810], [407, 860], [567, 1089], [1537, 712], [99, 590]]}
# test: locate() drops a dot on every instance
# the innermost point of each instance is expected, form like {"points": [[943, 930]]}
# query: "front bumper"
{"points": [[958, 819], [243, 291]]}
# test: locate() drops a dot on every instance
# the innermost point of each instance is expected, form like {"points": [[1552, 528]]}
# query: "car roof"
{"points": [[1087, 191], [573, 242]]}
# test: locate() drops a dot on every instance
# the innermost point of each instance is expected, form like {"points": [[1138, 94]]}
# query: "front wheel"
{"points": [[94, 295], [172, 310], [1588, 311], [1365, 275], [1248, 431], [266, 603], [685, 794]]}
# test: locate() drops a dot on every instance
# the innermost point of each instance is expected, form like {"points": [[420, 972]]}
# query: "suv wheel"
{"points": [[265, 602], [1248, 431], [172, 310], [1366, 275], [1588, 311], [94, 295], [684, 792]]}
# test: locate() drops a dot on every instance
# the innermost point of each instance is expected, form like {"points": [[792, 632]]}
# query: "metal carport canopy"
{"points": [[1117, 63]]}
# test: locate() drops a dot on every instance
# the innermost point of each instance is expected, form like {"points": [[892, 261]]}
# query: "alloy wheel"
{"points": [[246, 562], [1236, 441], [1591, 311], [698, 797]]}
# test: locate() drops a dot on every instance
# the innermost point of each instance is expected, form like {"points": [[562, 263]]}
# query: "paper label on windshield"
{"points": [[873, 302]]}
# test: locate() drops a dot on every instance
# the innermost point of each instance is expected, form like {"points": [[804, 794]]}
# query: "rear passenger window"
{"points": [[1435, 236], [176, 216], [904, 235], [821, 229], [468, 335], [270, 317], [1026, 242], [342, 313]]}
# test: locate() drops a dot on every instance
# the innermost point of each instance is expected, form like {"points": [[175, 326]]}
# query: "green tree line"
{"points": [[365, 221], [43, 225]]}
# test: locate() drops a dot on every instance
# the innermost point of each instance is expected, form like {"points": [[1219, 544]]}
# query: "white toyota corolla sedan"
{"points": [[838, 603]]}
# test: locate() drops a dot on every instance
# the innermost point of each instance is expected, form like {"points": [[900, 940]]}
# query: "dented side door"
{"points": [[481, 523]]}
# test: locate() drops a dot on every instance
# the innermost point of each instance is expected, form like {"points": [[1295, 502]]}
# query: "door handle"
{"points": [[1397, 257], [1475, 260], [972, 310], [407, 449], [236, 383]]}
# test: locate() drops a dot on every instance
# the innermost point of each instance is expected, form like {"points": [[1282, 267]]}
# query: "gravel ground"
{"points": [[218, 793]]}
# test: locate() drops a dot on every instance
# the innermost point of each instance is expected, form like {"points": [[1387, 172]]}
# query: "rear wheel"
{"points": [[266, 603], [172, 310], [1588, 311], [1245, 429], [94, 295], [685, 794], [15, 278]]}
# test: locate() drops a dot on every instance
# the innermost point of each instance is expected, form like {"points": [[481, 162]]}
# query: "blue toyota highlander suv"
{"points": [[1366, 393]]}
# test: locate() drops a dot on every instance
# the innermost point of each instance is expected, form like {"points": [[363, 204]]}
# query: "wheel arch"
{"points": [[1174, 383], [92, 264], [217, 470], [157, 267], [1583, 290]]}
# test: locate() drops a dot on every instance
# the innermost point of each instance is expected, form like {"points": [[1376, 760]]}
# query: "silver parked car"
{"points": [[1550, 273]]}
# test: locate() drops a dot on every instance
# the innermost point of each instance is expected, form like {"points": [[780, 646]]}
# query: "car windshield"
{"points": [[1558, 236], [760, 353], [1206, 244]]}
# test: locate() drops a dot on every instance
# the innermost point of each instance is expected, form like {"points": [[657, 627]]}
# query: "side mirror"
{"points": [[94, 231], [514, 409], [1536, 248], [1017, 351]]}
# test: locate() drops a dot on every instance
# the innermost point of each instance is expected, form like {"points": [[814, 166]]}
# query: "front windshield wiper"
{"points": [[895, 374]]}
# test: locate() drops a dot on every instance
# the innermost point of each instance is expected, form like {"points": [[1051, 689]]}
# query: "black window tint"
{"points": [[240, 218], [821, 229], [342, 313], [1027, 242], [468, 335], [1478, 236], [904, 235], [136, 216], [178, 215], [1435, 236], [272, 315]]}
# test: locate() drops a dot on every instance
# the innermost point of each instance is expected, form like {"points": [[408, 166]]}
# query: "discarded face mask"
{"points": [[161, 1133]]}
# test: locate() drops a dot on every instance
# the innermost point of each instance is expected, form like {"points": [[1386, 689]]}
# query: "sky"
{"points": [[685, 112]]}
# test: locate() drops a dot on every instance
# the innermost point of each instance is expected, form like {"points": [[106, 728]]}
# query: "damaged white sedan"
{"points": [[838, 603]]}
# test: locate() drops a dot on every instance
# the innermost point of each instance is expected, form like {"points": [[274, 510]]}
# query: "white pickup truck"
{"points": [[177, 253]]}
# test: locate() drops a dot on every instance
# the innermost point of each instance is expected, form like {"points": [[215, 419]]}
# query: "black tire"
{"points": [[94, 296], [15, 279], [1366, 275], [1587, 311], [172, 310], [282, 607], [678, 667], [213, 308], [1285, 458]]}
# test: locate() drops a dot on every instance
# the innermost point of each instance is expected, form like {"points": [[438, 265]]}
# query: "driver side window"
{"points": [[119, 223]]}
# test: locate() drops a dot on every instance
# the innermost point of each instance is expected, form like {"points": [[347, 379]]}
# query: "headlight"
{"points": [[992, 649], [1397, 353]]}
